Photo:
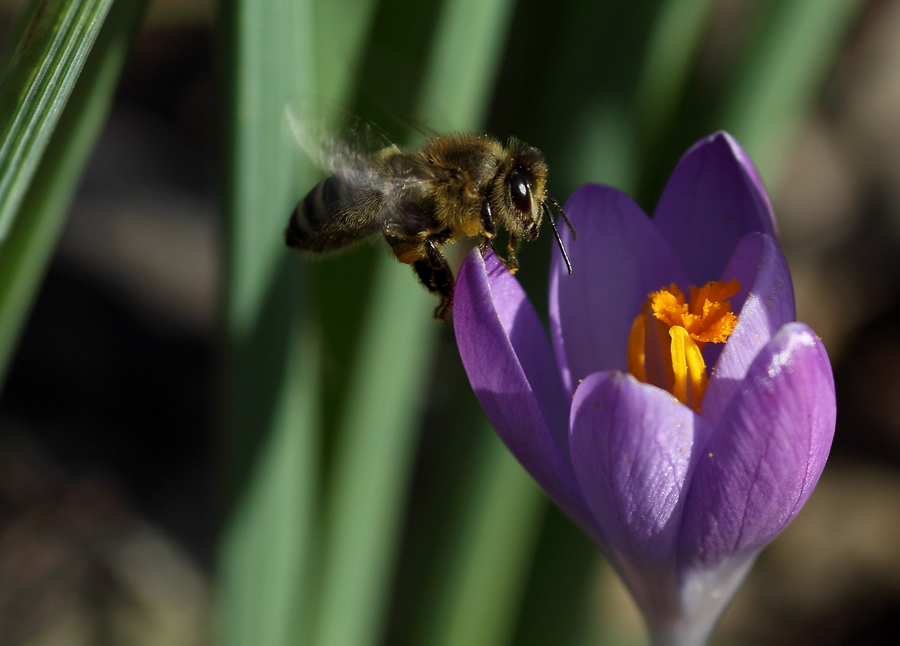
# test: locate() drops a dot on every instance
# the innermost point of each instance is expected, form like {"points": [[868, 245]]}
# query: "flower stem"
{"points": [[681, 633]]}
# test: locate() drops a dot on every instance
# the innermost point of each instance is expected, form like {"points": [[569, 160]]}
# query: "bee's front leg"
{"points": [[435, 274], [487, 224], [512, 260], [487, 221]]}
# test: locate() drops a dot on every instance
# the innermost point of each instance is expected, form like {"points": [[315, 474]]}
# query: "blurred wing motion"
{"points": [[352, 203]]}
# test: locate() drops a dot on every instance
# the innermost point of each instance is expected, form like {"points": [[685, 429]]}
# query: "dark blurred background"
{"points": [[108, 451], [107, 458]]}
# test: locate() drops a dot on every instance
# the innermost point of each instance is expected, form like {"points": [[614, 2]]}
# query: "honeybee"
{"points": [[453, 186]]}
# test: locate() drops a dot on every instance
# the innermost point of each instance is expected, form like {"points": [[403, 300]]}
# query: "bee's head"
{"points": [[524, 195], [519, 196], [525, 207]]}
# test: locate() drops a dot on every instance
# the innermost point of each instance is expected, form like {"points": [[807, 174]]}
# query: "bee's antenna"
{"points": [[556, 233], [563, 214]]}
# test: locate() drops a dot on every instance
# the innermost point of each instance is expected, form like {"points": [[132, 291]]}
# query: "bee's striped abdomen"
{"points": [[333, 214]]}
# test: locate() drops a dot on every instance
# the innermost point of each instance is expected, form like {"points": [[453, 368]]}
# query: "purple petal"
{"points": [[712, 200], [765, 455], [618, 259], [632, 450], [764, 303], [513, 372]]}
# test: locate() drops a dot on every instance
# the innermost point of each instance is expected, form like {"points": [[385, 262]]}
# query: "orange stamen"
{"points": [[668, 336]]}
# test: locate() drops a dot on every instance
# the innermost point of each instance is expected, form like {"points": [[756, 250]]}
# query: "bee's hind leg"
{"points": [[435, 274]]}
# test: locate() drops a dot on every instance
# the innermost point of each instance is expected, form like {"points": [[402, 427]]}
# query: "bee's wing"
{"points": [[358, 153], [336, 141]]}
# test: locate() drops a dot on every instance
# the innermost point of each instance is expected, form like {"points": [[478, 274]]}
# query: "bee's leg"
{"points": [[512, 260], [487, 220], [435, 274], [487, 224], [406, 248], [438, 281]]}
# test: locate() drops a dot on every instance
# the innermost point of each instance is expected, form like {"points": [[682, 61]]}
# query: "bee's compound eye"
{"points": [[521, 192]]}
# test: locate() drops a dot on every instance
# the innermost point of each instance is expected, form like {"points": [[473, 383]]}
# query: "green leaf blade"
{"points": [[34, 232], [43, 66], [374, 454], [785, 68]]}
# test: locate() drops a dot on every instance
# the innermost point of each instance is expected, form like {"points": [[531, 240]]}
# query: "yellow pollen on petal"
{"points": [[668, 336]]}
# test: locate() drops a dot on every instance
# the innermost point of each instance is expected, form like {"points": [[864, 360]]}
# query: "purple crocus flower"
{"points": [[681, 497]]}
